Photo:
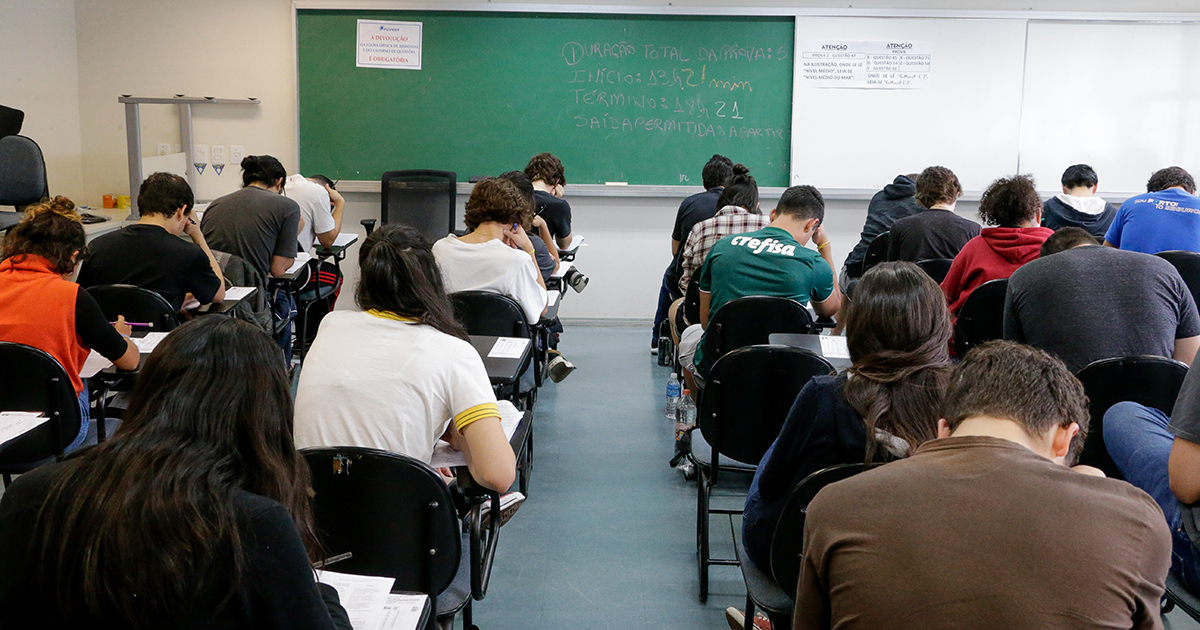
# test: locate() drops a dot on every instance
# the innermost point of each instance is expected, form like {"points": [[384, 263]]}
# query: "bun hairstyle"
{"points": [[262, 169], [398, 274], [52, 230], [740, 190]]}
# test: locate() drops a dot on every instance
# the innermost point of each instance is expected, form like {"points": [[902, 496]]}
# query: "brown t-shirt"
{"points": [[979, 532]]}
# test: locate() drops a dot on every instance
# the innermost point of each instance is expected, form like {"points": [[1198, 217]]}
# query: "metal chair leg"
{"points": [[703, 533]]}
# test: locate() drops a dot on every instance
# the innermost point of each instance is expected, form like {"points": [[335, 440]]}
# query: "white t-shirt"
{"points": [[313, 200], [491, 266], [387, 384]]}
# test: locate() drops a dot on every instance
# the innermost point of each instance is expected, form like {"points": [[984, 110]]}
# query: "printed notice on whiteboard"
{"points": [[880, 65], [385, 44]]}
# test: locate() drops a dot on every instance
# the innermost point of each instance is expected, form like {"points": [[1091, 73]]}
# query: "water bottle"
{"points": [[685, 418], [672, 395]]}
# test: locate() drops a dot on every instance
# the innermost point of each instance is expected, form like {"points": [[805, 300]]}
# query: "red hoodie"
{"points": [[996, 253]]}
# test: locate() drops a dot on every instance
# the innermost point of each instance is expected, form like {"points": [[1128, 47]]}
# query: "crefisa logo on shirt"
{"points": [[769, 245]]}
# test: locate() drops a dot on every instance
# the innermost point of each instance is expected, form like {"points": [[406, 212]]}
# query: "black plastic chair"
{"points": [[1178, 595], [413, 535], [981, 318], [423, 199], [750, 321], [1151, 381], [936, 268], [774, 591], [486, 313], [1188, 266], [32, 380], [749, 394], [691, 300], [876, 252], [138, 305]]}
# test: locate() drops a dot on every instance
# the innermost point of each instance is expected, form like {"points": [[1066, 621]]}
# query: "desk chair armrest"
{"points": [[825, 322], [482, 540]]}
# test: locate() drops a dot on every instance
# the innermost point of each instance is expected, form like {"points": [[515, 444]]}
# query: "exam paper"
{"points": [[344, 239], [508, 348], [147, 344], [551, 298], [402, 612], [363, 596], [302, 259], [446, 457], [94, 363], [14, 424], [233, 294], [834, 347], [562, 270]]}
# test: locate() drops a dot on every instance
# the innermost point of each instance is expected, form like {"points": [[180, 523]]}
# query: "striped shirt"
{"points": [[728, 221]]}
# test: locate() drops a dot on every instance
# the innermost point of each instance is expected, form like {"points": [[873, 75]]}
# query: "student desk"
{"points": [[338, 251], [554, 298], [500, 370], [811, 343], [223, 307]]}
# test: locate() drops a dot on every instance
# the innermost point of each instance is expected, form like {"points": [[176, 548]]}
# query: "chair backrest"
{"points": [[1188, 266], [136, 304], [422, 199], [486, 313], [392, 512], [691, 300], [787, 544], [32, 380], [10, 121], [750, 321], [981, 317], [876, 252], [748, 395], [22, 172], [936, 268], [1151, 381]]}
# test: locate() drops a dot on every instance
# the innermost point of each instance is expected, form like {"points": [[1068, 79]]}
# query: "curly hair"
{"points": [[52, 230], [494, 199], [546, 167], [1171, 177], [1010, 201], [937, 184]]}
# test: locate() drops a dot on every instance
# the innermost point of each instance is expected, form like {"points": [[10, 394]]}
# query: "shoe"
{"points": [[653, 350], [737, 620], [509, 503], [559, 368]]}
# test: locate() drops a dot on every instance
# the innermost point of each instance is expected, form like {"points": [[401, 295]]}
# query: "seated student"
{"points": [[1166, 218], [544, 247], [935, 232], [896, 201], [400, 374], [194, 514], [1011, 205], [548, 177], [39, 307], [321, 209], [987, 527], [694, 209], [1078, 205], [772, 261], [1081, 303], [259, 224], [882, 409], [150, 254], [739, 214]]}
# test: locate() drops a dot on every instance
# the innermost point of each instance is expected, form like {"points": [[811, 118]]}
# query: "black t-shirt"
{"points": [[930, 234], [150, 257], [556, 212], [696, 208], [277, 587]]}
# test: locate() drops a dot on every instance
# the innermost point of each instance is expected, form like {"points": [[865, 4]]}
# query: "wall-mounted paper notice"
{"points": [[866, 65], [386, 44]]}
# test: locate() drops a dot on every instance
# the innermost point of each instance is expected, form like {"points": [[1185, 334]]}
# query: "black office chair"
{"points": [[32, 380], [22, 177], [10, 121], [1151, 381], [936, 268], [413, 536], [423, 199], [691, 300], [750, 321], [486, 313], [1188, 266], [773, 590], [1179, 595], [749, 393], [138, 305], [981, 318], [876, 252]]}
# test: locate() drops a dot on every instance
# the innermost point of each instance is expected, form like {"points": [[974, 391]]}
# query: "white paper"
{"points": [[363, 596], [873, 65], [551, 298], [834, 347], [94, 363], [575, 242], [14, 424], [508, 348], [302, 259], [233, 294], [562, 270], [344, 239], [402, 612], [446, 457], [190, 304], [147, 344], [388, 44]]}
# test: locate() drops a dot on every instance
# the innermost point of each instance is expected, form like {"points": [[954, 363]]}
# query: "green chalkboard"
{"points": [[637, 99]]}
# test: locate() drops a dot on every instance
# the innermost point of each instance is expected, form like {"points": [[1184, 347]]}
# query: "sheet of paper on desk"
{"points": [[233, 294], [14, 424], [402, 612], [190, 304], [147, 344], [834, 347], [551, 298], [508, 348], [363, 596], [562, 270], [576, 242], [92, 366], [345, 239], [446, 457], [302, 259]]}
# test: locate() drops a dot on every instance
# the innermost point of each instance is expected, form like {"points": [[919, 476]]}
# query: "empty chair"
{"points": [[138, 305], [486, 313], [748, 396], [1150, 381], [22, 177], [982, 316], [1188, 266], [876, 252], [423, 199], [752, 320], [32, 380], [937, 268]]}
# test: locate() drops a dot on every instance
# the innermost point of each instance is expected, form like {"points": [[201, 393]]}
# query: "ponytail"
{"points": [[52, 230], [740, 190], [398, 274]]}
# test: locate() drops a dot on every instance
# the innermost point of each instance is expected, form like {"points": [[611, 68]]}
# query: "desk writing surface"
{"points": [[500, 370], [811, 343]]}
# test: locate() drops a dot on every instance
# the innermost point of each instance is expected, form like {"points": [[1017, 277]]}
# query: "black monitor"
{"points": [[10, 121]]}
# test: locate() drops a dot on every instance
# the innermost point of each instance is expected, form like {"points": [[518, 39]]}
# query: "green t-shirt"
{"points": [[767, 262]]}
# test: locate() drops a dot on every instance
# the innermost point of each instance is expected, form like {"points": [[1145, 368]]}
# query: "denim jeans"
{"points": [[666, 296], [1138, 441], [284, 306]]}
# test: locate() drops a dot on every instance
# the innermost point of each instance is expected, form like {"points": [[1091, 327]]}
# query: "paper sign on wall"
{"points": [[866, 65], [386, 44]]}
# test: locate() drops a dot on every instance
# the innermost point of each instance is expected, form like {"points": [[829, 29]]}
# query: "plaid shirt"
{"points": [[729, 221]]}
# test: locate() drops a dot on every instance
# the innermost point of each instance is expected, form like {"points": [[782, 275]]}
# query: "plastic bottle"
{"points": [[685, 418], [673, 386]]}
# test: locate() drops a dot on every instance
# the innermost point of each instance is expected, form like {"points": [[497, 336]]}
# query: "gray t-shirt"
{"points": [[1093, 302], [254, 224]]}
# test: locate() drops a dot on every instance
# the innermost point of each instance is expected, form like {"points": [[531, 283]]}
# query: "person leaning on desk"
{"points": [[40, 307]]}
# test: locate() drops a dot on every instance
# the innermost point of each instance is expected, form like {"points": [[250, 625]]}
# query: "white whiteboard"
{"points": [[1124, 98], [967, 119]]}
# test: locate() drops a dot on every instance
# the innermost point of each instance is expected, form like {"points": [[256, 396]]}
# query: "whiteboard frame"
{"points": [[593, 190]]}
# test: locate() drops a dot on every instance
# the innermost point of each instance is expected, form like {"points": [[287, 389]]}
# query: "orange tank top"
{"points": [[37, 308]]}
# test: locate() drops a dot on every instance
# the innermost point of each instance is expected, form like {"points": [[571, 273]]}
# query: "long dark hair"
{"points": [[740, 190], [262, 169], [52, 230], [139, 526], [898, 330], [398, 274]]}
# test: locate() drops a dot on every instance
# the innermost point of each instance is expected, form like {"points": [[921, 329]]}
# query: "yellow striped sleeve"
{"points": [[478, 412]]}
